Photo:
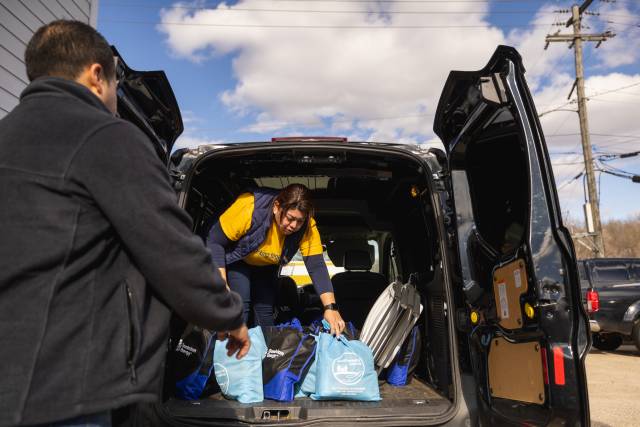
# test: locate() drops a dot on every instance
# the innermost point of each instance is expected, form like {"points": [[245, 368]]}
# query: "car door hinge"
{"points": [[177, 178]]}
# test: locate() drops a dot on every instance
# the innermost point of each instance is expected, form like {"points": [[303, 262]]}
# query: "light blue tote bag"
{"points": [[241, 380], [344, 370]]}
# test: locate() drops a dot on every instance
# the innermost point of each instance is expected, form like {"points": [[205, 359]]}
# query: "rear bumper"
{"points": [[605, 326]]}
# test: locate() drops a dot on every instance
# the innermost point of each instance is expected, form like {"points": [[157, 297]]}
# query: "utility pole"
{"points": [[592, 207]]}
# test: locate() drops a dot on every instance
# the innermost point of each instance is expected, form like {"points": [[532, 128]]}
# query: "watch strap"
{"points": [[332, 306]]}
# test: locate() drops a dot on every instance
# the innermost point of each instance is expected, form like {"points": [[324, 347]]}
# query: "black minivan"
{"points": [[478, 227]]}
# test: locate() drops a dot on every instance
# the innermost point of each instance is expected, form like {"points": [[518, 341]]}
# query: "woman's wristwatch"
{"points": [[333, 306]]}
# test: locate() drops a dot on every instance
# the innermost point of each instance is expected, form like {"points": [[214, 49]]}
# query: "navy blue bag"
{"points": [[290, 351], [192, 360], [406, 361]]}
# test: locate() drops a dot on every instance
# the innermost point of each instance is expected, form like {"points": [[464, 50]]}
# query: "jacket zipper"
{"points": [[130, 361]]}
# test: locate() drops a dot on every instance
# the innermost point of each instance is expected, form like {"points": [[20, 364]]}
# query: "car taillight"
{"points": [[593, 301]]}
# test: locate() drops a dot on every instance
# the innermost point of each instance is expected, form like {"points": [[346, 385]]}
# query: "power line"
{"points": [[629, 93], [616, 135], [569, 181], [559, 108], [628, 141], [614, 101], [615, 15], [337, 121], [610, 157], [618, 172], [284, 26], [577, 162], [401, 1], [598, 134], [588, 97], [613, 90], [311, 11]]}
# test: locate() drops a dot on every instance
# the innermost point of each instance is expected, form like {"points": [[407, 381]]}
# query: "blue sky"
{"points": [[254, 69]]}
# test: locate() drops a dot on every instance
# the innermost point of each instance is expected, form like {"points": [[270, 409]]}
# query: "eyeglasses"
{"points": [[294, 219], [120, 70]]}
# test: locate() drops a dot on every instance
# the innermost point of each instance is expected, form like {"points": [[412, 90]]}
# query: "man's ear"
{"points": [[93, 78]]}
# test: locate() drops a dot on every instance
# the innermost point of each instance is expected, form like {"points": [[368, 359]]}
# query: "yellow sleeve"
{"points": [[311, 243], [236, 220]]}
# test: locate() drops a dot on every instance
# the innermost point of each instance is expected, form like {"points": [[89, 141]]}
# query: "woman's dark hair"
{"points": [[295, 196], [64, 48]]}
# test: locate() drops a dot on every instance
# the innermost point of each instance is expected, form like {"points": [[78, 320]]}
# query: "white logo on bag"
{"points": [[348, 369], [222, 376], [185, 349], [274, 354]]}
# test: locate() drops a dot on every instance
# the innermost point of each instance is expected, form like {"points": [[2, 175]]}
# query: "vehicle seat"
{"points": [[288, 300], [357, 289], [295, 301]]}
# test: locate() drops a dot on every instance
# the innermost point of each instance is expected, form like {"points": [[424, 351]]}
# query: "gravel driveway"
{"points": [[614, 387]]}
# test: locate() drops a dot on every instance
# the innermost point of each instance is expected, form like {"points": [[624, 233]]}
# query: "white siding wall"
{"points": [[19, 19]]}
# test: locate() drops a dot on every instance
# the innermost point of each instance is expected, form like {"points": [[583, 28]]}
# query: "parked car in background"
{"points": [[611, 295]]}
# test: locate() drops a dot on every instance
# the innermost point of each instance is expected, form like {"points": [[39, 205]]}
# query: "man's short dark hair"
{"points": [[65, 48]]}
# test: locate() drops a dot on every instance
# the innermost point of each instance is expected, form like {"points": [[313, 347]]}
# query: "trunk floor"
{"points": [[414, 399], [416, 389]]}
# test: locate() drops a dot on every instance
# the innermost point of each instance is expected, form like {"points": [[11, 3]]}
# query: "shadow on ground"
{"points": [[623, 350]]}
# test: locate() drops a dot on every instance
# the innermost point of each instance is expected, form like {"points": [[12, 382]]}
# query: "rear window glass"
{"points": [[635, 271], [298, 272], [610, 272]]}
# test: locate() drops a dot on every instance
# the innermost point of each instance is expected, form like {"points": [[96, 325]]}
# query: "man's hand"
{"points": [[335, 320], [238, 341]]}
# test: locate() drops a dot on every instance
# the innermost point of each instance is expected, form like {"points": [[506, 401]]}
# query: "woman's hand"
{"points": [[332, 316], [335, 320]]}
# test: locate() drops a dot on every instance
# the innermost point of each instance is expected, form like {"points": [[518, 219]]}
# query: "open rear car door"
{"points": [[145, 98], [528, 331]]}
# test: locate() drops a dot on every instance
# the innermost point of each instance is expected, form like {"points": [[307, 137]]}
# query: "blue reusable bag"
{"points": [[290, 352], [192, 360], [406, 361], [344, 370], [308, 385], [241, 380]]}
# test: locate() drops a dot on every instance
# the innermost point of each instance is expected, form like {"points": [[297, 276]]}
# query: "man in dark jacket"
{"points": [[94, 248]]}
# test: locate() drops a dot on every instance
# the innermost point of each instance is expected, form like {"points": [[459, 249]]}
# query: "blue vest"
{"points": [[261, 220]]}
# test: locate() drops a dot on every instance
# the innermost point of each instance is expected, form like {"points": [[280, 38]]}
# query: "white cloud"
{"points": [[186, 141], [381, 82], [624, 48], [384, 84], [614, 113], [540, 63], [190, 118], [311, 77]]}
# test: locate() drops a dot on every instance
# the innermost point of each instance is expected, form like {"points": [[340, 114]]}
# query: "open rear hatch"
{"points": [[373, 191], [528, 335]]}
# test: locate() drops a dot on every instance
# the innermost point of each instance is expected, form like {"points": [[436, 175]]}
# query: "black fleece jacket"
{"points": [[93, 250]]}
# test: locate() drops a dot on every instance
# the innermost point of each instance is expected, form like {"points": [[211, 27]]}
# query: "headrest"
{"points": [[336, 249], [357, 260]]}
